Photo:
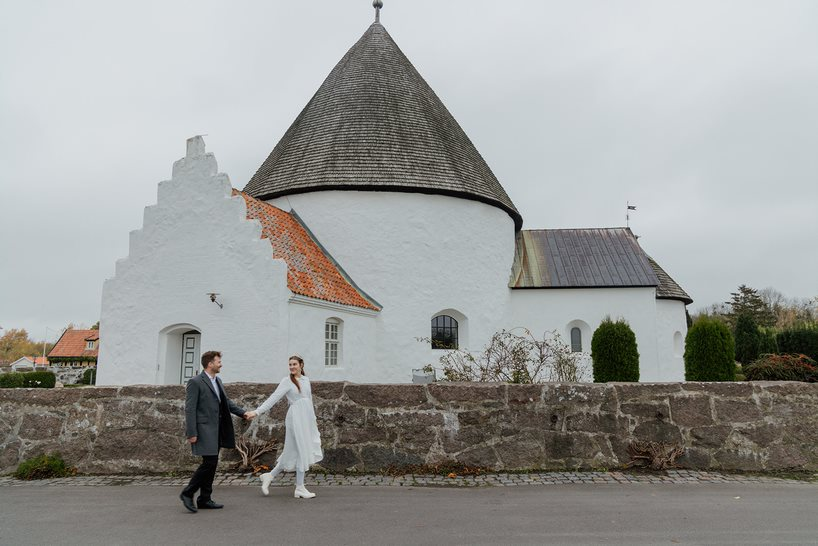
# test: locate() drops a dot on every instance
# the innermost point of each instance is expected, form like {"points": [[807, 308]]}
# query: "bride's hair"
{"points": [[292, 377]]}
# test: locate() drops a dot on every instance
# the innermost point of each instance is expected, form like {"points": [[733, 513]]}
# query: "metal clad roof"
{"points": [[376, 125], [580, 258]]}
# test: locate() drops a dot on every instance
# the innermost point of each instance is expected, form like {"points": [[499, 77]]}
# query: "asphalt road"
{"points": [[555, 514]]}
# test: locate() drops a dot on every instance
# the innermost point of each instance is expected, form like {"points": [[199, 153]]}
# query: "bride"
{"points": [[302, 442]]}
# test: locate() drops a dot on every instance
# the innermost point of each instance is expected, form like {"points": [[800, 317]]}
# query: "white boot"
{"points": [[302, 493], [266, 478]]}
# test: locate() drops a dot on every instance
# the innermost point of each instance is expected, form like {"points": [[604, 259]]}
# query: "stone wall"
{"points": [[726, 426]]}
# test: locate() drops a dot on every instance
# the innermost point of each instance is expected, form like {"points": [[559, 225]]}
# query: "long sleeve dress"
{"points": [[302, 441]]}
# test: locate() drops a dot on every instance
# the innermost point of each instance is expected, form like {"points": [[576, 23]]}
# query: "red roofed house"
{"points": [[28, 362], [372, 236], [76, 348]]}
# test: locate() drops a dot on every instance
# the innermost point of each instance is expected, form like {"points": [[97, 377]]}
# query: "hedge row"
{"points": [[28, 380]]}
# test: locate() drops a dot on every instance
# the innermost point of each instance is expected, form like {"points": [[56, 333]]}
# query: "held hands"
{"points": [[250, 415]]}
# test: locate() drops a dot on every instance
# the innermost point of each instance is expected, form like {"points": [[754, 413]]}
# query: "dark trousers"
{"points": [[202, 479]]}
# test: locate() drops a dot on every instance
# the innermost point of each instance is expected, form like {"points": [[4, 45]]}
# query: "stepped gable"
{"points": [[376, 125], [668, 289], [311, 271], [580, 258]]}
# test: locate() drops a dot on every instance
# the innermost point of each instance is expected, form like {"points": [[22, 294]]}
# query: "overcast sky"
{"points": [[703, 114]]}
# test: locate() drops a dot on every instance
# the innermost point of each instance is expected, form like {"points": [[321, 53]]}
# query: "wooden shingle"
{"points": [[376, 125]]}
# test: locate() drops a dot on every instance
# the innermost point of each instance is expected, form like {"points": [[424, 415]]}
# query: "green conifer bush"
{"points": [[709, 352], [614, 352]]}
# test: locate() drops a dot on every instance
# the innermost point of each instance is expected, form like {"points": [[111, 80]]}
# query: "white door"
{"points": [[190, 355]]}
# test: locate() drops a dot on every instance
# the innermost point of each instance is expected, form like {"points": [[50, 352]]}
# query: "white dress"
{"points": [[302, 441]]}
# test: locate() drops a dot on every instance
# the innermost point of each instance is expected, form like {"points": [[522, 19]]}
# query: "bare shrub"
{"points": [[516, 356]]}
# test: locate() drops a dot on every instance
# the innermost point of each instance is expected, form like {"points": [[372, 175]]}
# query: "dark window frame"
{"points": [[444, 331], [576, 344]]}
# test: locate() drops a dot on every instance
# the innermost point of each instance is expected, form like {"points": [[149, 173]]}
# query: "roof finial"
{"points": [[377, 4]]}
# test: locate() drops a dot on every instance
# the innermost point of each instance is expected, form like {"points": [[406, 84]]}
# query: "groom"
{"points": [[208, 427]]}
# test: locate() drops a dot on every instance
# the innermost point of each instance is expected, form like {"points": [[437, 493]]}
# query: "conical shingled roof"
{"points": [[376, 125]]}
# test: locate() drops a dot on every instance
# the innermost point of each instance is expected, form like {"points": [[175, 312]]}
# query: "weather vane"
{"points": [[377, 4], [628, 210]]}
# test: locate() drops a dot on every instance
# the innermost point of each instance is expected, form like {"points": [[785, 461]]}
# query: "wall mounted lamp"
{"points": [[213, 299]]}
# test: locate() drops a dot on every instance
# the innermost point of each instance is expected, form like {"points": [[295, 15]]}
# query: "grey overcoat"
{"points": [[204, 413]]}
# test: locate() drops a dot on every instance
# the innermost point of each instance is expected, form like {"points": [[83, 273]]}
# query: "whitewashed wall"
{"points": [[195, 240], [543, 310], [357, 341], [417, 255], [671, 330]]}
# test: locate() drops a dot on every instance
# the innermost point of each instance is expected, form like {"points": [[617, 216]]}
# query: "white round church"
{"points": [[374, 223]]}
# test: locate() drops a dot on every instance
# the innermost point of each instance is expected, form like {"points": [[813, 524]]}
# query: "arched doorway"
{"points": [[180, 347]]}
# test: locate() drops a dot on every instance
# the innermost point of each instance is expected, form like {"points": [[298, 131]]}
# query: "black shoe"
{"points": [[188, 502], [209, 504]]}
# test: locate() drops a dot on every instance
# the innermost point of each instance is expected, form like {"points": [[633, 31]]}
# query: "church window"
{"points": [[444, 332], [576, 340], [332, 342]]}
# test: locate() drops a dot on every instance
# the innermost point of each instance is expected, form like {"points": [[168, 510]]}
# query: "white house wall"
{"points": [[545, 310], [195, 240], [417, 255]]}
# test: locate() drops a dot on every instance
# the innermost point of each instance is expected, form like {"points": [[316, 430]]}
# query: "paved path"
{"points": [[672, 508], [534, 478]]}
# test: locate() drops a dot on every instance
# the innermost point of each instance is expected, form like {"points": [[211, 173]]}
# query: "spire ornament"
{"points": [[377, 4]]}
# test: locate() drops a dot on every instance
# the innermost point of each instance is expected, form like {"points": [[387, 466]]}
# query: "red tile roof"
{"points": [[39, 361], [310, 270], [73, 342]]}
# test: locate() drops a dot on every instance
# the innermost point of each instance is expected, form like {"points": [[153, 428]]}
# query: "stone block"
{"points": [[643, 392], [340, 459], [712, 437], [156, 392], [387, 396], [378, 457], [524, 395], [656, 409], [762, 435], [658, 431], [520, 454], [41, 426], [564, 445], [788, 457], [697, 459], [690, 410], [739, 459], [463, 394], [480, 456], [737, 410], [328, 390]]}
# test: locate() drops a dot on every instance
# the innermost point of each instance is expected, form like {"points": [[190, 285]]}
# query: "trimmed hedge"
{"points": [[614, 352], [709, 352], [43, 467], [11, 380], [28, 380], [802, 340], [782, 368]]}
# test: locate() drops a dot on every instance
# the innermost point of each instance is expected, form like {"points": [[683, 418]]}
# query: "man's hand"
{"points": [[193, 439], [250, 415]]}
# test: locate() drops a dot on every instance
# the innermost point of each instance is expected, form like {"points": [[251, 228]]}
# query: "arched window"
{"points": [[576, 340], [332, 342], [444, 332]]}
